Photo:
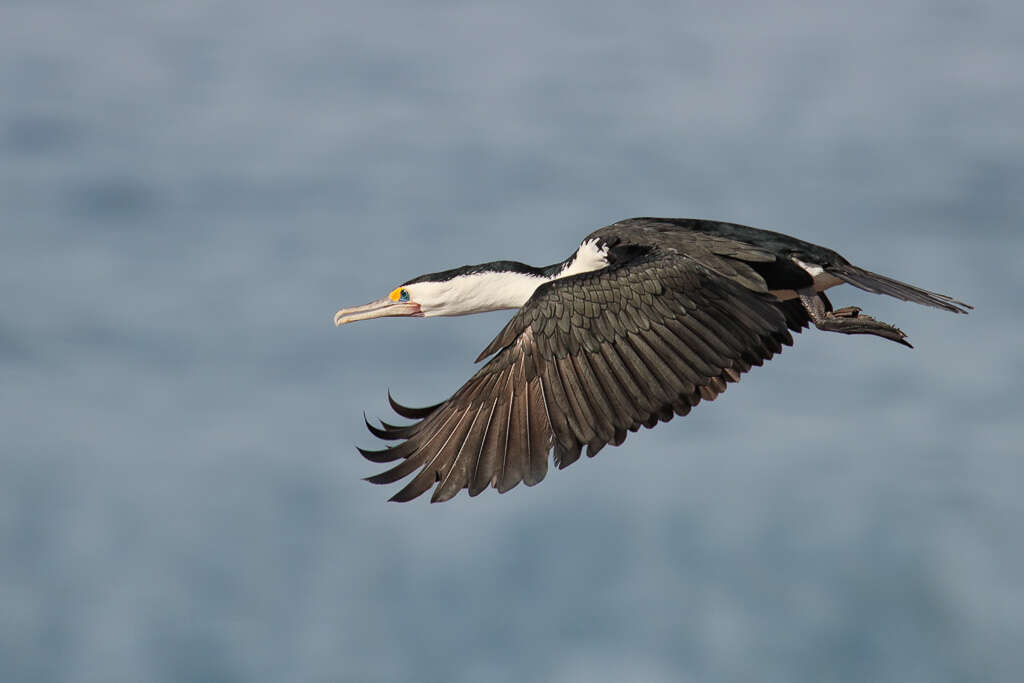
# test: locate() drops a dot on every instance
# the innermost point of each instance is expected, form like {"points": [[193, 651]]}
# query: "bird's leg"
{"points": [[847, 320]]}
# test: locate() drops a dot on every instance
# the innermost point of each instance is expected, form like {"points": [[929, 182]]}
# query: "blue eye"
{"points": [[403, 295]]}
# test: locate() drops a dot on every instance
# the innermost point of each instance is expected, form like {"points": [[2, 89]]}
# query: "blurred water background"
{"points": [[188, 191]]}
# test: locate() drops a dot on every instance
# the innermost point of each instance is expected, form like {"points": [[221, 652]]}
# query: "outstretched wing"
{"points": [[587, 359]]}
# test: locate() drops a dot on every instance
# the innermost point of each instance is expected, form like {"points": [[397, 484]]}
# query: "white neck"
{"points": [[496, 290]]}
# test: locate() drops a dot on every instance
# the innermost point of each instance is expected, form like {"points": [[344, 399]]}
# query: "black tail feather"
{"points": [[880, 284]]}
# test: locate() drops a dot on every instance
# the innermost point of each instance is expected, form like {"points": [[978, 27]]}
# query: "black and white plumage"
{"points": [[649, 317]]}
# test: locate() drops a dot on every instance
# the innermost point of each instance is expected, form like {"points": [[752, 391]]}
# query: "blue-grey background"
{"points": [[188, 191]]}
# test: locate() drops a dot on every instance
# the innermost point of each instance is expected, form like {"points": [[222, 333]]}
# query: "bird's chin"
{"points": [[383, 308]]}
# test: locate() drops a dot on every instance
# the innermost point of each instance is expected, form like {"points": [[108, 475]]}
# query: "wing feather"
{"points": [[686, 349], [624, 411], [478, 484], [639, 398], [644, 377], [588, 359], [501, 481], [455, 476], [489, 468], [568, 430], [540, 431], [604, 414], [432, 460], [577, 398]]}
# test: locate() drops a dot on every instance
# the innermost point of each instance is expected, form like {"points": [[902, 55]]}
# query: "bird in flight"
{"points": [[647, 318]]}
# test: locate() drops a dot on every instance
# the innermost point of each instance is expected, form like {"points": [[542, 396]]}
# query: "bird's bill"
{"points": [[377, 309]]}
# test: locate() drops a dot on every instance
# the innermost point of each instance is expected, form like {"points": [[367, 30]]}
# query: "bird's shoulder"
{"points": [[671, 251]]}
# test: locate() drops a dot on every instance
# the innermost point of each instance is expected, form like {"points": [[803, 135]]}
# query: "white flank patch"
{"points": [[822, 280], [812, 269]]}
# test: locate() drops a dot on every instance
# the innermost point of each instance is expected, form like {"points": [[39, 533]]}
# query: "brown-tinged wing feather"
{"points": [[586, 360]]}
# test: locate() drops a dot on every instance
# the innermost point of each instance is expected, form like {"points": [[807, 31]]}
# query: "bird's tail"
{"points": [[880, 284]]}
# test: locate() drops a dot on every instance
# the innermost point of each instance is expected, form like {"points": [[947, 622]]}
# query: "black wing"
{"points": [[587, 359]]}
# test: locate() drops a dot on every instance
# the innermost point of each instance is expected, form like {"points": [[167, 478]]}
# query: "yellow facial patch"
{"points": [[395, 295]]}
